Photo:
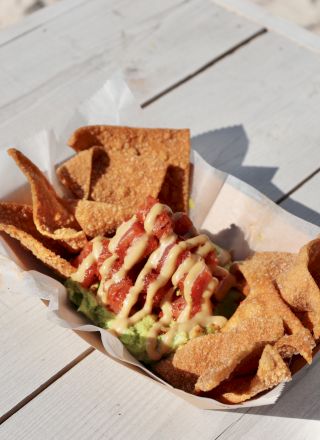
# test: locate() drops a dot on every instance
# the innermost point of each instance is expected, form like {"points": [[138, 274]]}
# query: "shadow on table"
{"points": [[226, 149], [300, 399]]}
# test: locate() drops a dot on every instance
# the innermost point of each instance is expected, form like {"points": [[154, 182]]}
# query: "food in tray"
{"points": [[134, 264], [156, 280]]}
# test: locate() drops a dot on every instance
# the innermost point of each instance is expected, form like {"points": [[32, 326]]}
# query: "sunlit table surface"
{"points": [[243, 81]]}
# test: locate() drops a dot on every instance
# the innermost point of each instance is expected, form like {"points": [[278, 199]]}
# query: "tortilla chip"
{"points": [[128, 179], [17, 221], [170, 146], [259, 272], [75, 173], [300, 286], [204, 362], [272, 370], [96, 218], [263, 268], [50, 214], [301, 342]]}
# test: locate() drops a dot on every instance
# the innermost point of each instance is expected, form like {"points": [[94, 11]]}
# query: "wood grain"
{"points": [[77, 51], [32, 348], [305, 201], [275, 22], [260, 106], [100, 399]]}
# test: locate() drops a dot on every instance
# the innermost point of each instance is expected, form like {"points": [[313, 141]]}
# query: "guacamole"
{"points": [[134, 337]]}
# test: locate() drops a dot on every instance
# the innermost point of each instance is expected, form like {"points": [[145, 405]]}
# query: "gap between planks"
{"points": [[61, 9], [46, 384], [204, 67], [232, 424], [296, 187]]}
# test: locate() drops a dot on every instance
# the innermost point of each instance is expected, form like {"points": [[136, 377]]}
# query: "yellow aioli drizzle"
{"points": [[134, 253], [89, 260], [192, 267], [120, 232], [152, 215]]}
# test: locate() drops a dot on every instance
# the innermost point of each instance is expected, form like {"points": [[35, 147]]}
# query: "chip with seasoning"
{"points": [[115, 177], [98, 218], [17, 221], [76, 173], [171, 146], [50, 213]]}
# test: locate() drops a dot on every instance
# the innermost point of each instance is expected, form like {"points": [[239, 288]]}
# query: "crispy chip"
{"points": [[128, 179], [300, 285], [260, 272], [17, 221], [170, 146], [50, 214], [272, 370], [75, 173], [208, 360], [96, 218]]}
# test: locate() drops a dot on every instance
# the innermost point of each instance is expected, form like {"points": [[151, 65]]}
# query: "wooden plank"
{"points": [[37, 18], [258, 109], [47, 70], [295, 416], [305, 202], [32, 348], [100, 399], [263, 17], [59, 63]]}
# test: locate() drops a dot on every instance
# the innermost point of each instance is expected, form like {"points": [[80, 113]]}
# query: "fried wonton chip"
{"points": [[170, 146], [127, 179], [300, 285], [204, 362], [260, 272], [272, 370], [96, 218], [17, 221], [50, 213], [75, 173]]}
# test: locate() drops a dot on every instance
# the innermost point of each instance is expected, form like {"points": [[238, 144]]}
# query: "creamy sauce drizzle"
{"points": [[191, 268]]}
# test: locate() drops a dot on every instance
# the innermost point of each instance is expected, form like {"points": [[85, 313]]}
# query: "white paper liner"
{"points": [[235, 214]]}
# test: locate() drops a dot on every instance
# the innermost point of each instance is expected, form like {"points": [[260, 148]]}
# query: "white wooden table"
{"points": [[222, 67]]}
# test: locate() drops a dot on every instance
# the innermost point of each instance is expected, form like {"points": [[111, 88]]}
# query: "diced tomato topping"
{"points": [[153, 243], [164, 256], [145, 208], [178, 304], [105, 253], [117, 293], [133, 233], [91, 276], [184, 255], [199, 286], [181, 284], [83, 254], [163, 224], [159, 295], [182, 225], [211, 260]]}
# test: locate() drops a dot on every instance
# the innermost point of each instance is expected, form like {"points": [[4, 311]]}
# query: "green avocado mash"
{"points": [[134, 337]]}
